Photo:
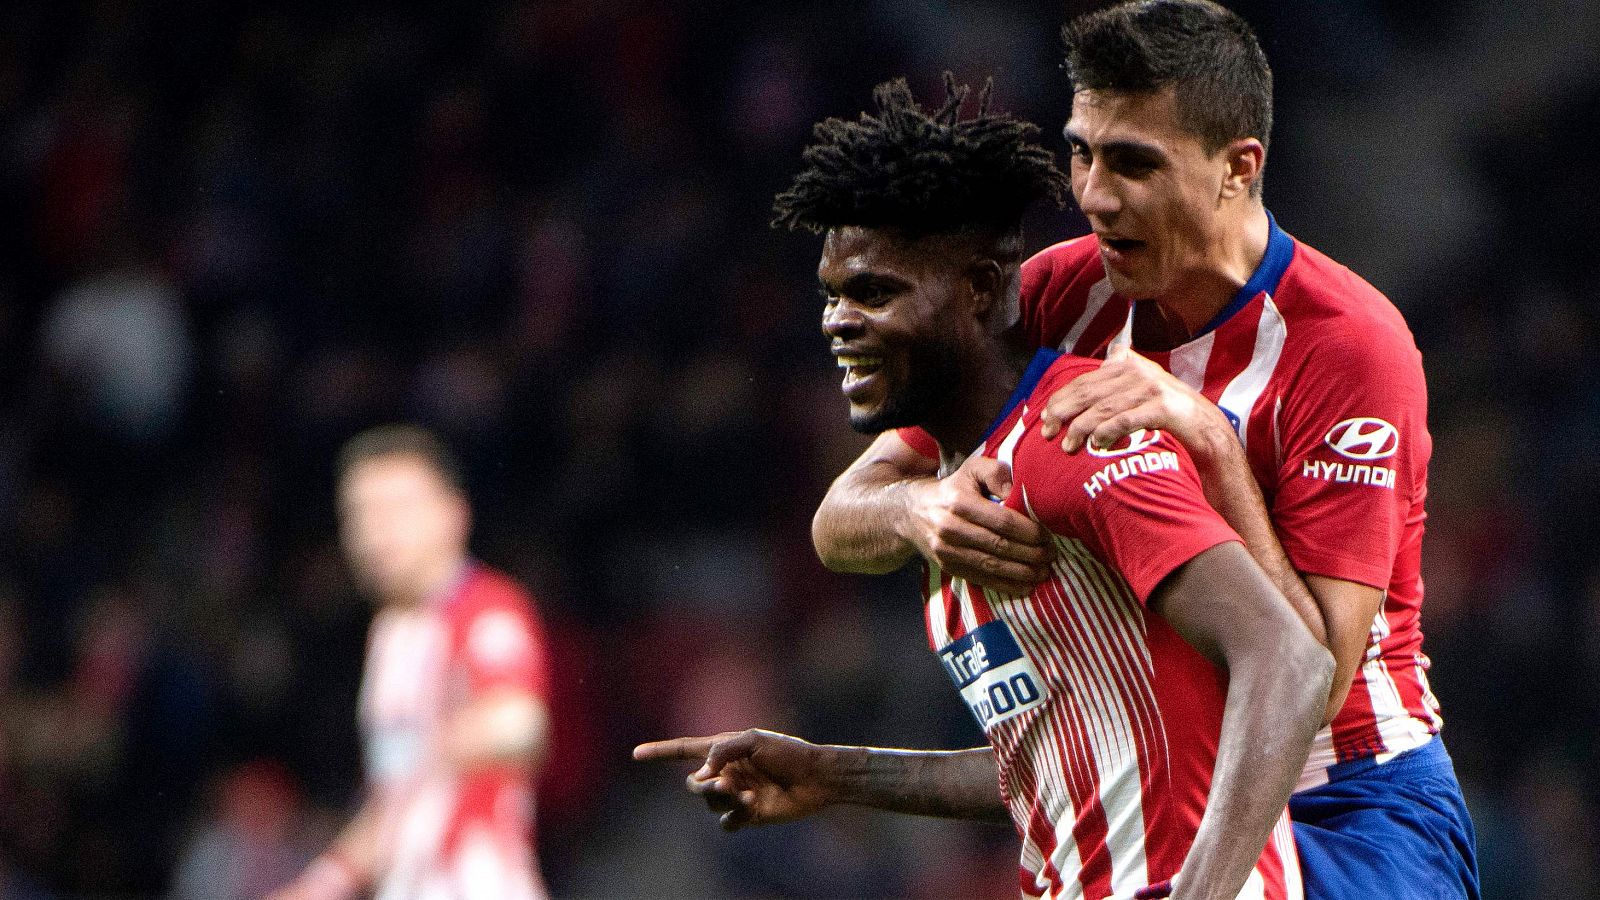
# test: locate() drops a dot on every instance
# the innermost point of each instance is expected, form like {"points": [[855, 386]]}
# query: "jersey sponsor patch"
{"points": [[1128, 467], [996, 679], [1136, 441], [1363, 439]]}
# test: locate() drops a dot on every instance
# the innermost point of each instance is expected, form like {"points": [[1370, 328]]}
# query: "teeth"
{"points": [[851, 362]]}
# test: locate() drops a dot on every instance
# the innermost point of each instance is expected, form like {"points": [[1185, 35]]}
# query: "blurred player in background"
{"points": [[452, 702], [1283, 373], [1142, 724]]}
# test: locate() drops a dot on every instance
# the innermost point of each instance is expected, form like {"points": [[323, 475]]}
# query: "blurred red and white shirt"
{"points": [[449, 836]]}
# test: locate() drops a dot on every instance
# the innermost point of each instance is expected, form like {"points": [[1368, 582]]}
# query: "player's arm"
{"points": [[757, 777], [1223, 605], [507, 725], [347, 868], [888, 506]]}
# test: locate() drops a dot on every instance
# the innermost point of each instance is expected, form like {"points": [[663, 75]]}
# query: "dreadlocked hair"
{"points": [[921, 173]]}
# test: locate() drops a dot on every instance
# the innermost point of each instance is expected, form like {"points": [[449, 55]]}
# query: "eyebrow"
{"points": [[1123, 147], [860, 280]]}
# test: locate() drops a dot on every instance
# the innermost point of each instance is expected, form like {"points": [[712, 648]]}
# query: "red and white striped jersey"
{"points": [[448, 835], [1323, 382], [1105, 723]]}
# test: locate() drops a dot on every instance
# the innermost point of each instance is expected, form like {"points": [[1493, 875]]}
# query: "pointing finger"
{"points": [[685, 748]]}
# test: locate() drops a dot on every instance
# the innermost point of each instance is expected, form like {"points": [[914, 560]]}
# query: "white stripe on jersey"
{"points": [[1109, 620], [1241, 394], [1188, 362], [1044, 745], [1099, 293], [1385, 694], [969, 616], [1289, 856]]}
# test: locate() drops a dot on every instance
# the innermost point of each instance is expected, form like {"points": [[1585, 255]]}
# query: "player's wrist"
{"points": [[1213, 442], [906, 522]]}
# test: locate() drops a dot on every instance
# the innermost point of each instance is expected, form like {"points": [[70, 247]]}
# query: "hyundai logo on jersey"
{"points": [[996, 679], [1364, 438], [1133, 443]]}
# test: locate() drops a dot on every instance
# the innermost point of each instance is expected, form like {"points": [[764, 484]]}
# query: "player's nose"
{"points": [[841, 320], [1096, 193]]}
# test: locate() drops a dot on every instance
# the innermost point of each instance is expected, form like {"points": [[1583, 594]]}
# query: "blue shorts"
{"points": [[1397, 831]]}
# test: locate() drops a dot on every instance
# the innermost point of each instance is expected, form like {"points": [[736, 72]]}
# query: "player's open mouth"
{"points": [[1115, 250], [858, 369]]}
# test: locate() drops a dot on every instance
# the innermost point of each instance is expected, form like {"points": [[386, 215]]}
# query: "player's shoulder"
{"points": [[1057, 269], [1050, 471], [1062, 371], [1067, 256], [1330, 302], [1339, 324], [487, 588]]}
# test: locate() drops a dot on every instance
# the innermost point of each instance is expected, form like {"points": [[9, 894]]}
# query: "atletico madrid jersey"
{"points": [[448, 835], [1105, 723], [1323, 383]]}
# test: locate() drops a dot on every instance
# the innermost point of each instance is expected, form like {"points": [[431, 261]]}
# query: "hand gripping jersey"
{"points": [[1321, 379], [448, 836], [1104, 721]]}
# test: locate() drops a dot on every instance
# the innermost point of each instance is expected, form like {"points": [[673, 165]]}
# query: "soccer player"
{"points": [[1284, 374], [1142, 727], [452, 698]]}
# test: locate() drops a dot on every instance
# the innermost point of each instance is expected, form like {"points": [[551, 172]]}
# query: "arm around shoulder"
{"points": [[857, 527]]}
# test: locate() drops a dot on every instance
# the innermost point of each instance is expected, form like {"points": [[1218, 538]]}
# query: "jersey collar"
{"points": [[1280, 252], [1041, 363]]}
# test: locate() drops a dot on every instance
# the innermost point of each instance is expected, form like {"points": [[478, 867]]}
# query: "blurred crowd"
{"points": [[235, 234]]}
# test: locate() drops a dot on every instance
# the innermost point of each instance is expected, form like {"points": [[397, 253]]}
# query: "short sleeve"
{"points": [[920, 441], [1139, 505], [1355, 450], [502, 646]]}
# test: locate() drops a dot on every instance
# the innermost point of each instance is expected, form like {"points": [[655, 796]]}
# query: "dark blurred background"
{"points": [[233, 236]]}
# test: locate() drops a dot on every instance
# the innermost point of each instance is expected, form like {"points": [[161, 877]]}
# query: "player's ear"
{"points": [[985, 281], [1244, 158]]}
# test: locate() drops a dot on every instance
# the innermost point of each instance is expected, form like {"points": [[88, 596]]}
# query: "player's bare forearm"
{"points": [[1267, 728], [504, 728], [888, 506], [1278, 681], [759, 777], [346, 868], [947, 784], [1232, 491], [856, 528]]}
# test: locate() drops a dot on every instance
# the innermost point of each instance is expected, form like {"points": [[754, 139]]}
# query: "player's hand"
{"points": [[955, 522], [1127, 393], [752, 777]]}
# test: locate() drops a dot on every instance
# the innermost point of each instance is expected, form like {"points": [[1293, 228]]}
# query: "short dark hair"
{"points": [[401, 440], [1207, 54], [922, 173]]}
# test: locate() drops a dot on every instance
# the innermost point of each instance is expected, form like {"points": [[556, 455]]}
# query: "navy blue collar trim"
{"points": [[1280, 252], [1042, 360]]}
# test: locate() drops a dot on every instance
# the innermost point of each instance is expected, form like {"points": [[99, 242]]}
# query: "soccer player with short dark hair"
{"points": [[1144, 736], [453, 710], [1289, 379]]}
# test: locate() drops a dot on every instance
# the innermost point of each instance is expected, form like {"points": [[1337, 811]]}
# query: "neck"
{"points": [[987, 381], [1227, 265], [434, 583]]}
